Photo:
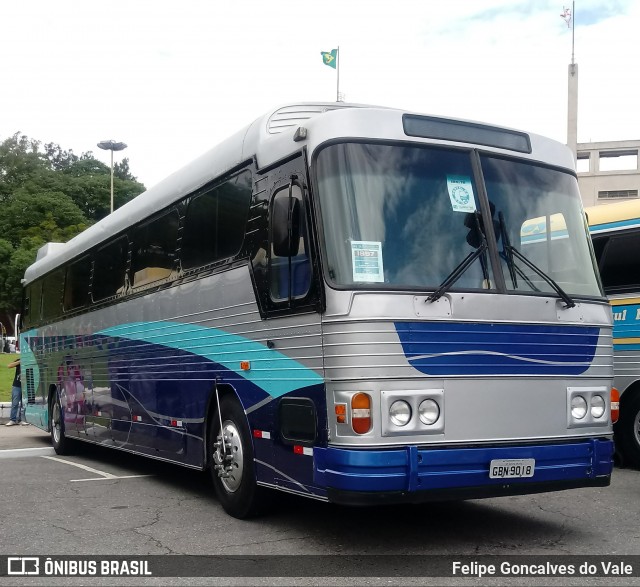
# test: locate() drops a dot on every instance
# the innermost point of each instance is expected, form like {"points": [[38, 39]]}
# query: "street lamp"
{"points": [[112, 146]]}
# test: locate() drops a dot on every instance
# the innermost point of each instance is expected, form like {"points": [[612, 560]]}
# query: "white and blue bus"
{"points": [[615, 229], [355, 304]]}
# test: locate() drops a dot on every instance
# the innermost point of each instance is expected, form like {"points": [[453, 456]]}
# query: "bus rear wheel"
{"points": [[627, 432], [58, 438], [232, 463]]}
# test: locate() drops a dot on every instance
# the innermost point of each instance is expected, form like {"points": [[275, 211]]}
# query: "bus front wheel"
{"points": [[628, 431], [232, 462], [58, 438]]}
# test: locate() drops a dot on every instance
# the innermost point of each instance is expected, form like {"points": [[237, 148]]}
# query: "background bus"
{"points": [[615, 229], [342, 302]]}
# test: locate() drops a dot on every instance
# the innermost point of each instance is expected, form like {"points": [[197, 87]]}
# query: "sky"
{"points": [[174, 78]]}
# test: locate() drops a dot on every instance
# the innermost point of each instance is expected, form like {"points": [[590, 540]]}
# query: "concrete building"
{"points": [[608, 172]]}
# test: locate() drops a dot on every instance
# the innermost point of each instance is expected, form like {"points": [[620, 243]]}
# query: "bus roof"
{"points": [[611, 217], [269, 139]]}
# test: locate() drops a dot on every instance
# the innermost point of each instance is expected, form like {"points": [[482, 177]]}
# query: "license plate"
{"points": [[511, 468]]}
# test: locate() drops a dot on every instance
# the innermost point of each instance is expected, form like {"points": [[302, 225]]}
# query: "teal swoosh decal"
{"points": [[272, 371]]}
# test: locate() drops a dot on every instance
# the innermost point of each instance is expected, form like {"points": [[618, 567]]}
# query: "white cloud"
{"points": [[172, 79]]}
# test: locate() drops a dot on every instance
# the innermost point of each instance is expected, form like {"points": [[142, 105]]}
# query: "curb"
{"points": [[5, 409]]}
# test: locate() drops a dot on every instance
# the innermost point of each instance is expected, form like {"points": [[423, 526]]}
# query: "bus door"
{"points": [[294, 322]]}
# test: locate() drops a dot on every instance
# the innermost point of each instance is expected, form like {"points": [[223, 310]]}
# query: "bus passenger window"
{"points": [[110, 264], [215, 223], [76, 289], [52, 295], [300, 278], [33, 303], [620, 264], [154, 249]]}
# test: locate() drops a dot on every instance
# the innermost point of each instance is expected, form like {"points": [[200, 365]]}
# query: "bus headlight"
{"points": [[429, 412], [598, 406], [588, 406], [400, 413], [578, 407]]}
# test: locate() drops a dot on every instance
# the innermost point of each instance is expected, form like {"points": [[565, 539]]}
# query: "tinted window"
{"points": [[620, 263], [76, 288], [33, 303], [110, 264], [215, 223], [52, 295], [154, 249]]}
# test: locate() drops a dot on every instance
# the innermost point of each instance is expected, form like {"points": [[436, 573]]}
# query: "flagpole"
{"points": [[338, 74]]}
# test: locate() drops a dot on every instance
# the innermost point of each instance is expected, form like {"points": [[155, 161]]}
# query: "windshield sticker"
{"points": [[461, 193], [366, 257]]}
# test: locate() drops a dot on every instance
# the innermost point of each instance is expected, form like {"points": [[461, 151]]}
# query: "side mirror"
{"points": [[285, 226]]}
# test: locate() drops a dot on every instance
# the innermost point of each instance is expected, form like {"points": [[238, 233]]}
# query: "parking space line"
{"points": [[102, 474], [13, 453]]}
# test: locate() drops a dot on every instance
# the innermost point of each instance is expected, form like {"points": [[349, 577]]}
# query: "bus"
{"points": [[615, 230], [343, 302]]}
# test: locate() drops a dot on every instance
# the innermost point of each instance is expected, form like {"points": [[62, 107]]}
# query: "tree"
{"points": [[48, 193]]}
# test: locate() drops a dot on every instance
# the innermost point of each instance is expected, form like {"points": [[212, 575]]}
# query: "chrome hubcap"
{"points": [[228, 459], [55, 424]]}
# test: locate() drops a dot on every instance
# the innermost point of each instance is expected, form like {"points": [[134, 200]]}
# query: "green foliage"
{"points": [[49, 194]]}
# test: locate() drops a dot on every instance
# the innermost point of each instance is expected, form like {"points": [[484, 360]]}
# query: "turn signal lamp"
{"points": [[361, 413], [615, 405], [341, 413]]}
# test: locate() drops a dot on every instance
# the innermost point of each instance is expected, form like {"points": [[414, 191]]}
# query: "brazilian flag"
{"points": [[330, 58]]}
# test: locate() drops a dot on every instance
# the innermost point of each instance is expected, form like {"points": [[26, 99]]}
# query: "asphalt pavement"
{"points": [[22, 437]]}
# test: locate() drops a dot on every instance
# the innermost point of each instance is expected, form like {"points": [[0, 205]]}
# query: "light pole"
{"points": [[112, 146]]}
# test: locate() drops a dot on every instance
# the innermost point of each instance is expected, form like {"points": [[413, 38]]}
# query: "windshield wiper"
{"points": [[507, 255], [554, 284], [509, 251], [464, 265]]}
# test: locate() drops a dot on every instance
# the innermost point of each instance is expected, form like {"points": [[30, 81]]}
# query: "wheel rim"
{"points": [[231, 477], [636, 428], [55, 424]]}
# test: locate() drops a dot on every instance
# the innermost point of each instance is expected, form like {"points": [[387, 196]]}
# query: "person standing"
{"points": [[16, 396]]}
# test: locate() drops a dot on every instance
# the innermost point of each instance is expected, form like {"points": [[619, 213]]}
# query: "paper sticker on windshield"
{"points": [[366, 257], [461, 193]]}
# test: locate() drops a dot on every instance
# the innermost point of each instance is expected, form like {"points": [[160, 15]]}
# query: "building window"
{"points": [[617, 194]]}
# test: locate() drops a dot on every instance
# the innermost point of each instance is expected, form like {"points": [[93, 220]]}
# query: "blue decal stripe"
{"points": [[631, 223], [270, 370], [497, 349]]}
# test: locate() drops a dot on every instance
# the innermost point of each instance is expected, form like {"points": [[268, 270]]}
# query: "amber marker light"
{"points": [[615, 405], [245, 365], [361, 413], [341, 413]]}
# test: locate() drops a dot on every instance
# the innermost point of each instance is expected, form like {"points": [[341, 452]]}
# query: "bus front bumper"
{"points": [[418, 474]]}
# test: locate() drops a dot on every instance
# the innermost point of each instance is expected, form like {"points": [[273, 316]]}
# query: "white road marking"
{"points": [[102, 474], [13, 453]]}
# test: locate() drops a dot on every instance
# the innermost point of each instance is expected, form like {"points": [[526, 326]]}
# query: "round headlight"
{"points": [[400, 413], [578, 407], [598, 406], [429, 412]]}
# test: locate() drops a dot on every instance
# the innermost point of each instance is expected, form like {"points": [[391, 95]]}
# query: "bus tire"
{"points": [[58, 439], [628, 431], [235, 485]]}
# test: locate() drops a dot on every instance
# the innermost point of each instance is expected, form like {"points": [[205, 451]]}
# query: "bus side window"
{"points": [[215, 223], [300, 278], [52, 295], [110, 265], [620, 263], [76, 288], [33, 301], [154, 249]]}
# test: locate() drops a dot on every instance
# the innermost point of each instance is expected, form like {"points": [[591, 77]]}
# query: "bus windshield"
{"points": [[407, 216]]}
